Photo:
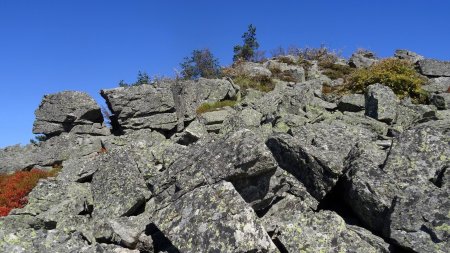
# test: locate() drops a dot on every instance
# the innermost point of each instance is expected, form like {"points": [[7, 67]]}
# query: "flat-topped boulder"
{"points": [[430, 67], [60, 112]]}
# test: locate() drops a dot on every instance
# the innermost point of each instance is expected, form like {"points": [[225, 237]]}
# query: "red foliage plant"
{"points": [[14, 188]]}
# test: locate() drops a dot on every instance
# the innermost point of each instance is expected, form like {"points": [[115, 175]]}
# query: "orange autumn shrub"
{"points": [[14, 188]]}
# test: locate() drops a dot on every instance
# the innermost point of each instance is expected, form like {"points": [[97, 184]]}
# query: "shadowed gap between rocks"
{"points": [[334, 201], [160, 242]]}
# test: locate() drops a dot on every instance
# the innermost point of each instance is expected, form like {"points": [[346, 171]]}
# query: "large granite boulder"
{"points": [[300, 229], [118, 188], [381, 103], [165, 106], [437, 85], [315, 154], [434, 68], [213, 219], [405, 195], [352, 103], [63, 111], [239, 155], [142, 106]]}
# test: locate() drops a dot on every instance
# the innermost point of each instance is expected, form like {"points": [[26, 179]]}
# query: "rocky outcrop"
{"points": [[164, 107], [290, 170]]}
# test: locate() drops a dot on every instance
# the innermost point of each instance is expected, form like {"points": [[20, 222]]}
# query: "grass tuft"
{"points": [[208, 107]]}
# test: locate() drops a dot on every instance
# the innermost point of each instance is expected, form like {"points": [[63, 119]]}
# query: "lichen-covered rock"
{"points": [[403, 196], [49, 152], [420, 220], [213, 120], [381, 103], [264, 190], [125, 231], [315, 154], [235, 156], [118, 188], [351, 103], [142, 106], [300, 229], [213, 219], [434, 68], [42, 241], [247, 118], [62, 111], [190, 94]]}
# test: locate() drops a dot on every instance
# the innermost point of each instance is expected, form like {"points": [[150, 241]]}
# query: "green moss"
{"points": [[335, 71], [399, 75], [263, 84], [207, 107]]}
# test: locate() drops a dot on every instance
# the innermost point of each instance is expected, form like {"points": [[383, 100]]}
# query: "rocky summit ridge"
{"points": [[294, 169]]}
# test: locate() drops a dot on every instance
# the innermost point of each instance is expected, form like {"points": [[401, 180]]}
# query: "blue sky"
{"points": [[50, 46]]}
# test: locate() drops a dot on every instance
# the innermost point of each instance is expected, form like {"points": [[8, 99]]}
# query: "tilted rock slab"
{"points": [[405, 197], [118, 188], [316, 153], [213, 219], [300, 229], [49, 152]]}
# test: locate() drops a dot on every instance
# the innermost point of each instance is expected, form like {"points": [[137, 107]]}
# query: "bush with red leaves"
{"points": [[14, 188]]}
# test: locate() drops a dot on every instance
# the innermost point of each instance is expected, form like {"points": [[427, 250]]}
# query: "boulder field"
{"points": [[290, 170]]}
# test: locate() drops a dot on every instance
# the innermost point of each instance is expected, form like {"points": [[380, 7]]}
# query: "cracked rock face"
{"points": [[213, 219], [62, 111]]}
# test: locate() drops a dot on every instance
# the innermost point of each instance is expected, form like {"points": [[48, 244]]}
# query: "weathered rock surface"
{"points": [[300, 229], [50, 152], [381, 103], [352, 103], [315, 154], [63, 111], [118, 188], [362, 59], [253, 70], [441, 101], [437, 85], [408, 55], [143, 106], [213, 218], [434, 68], [290, 170]]}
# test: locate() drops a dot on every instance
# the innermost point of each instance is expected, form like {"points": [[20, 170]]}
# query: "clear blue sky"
{"points": [[50, 46]]}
